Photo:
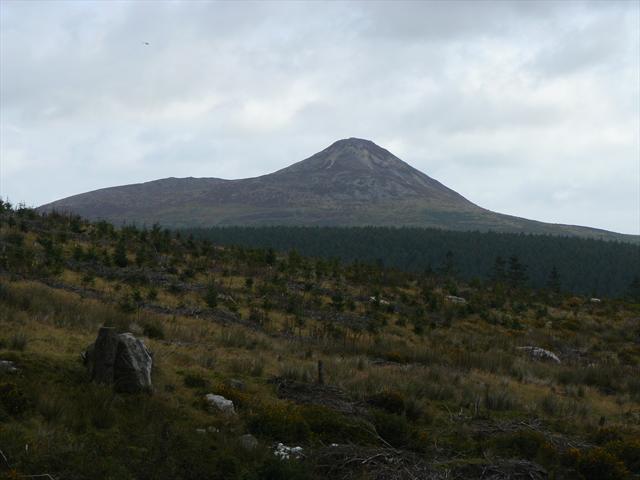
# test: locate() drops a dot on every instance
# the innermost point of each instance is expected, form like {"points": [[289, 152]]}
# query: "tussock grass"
{"points": [[428, 379]]}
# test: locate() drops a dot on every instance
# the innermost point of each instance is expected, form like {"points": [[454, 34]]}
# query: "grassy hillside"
{"points": [[415, 384]]}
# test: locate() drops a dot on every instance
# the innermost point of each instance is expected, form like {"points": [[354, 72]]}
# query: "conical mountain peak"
{"points": [[358, 169], [351, 182], [351, 154]]}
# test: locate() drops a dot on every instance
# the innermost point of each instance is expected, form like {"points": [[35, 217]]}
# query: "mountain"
{"points": [[353, 182]]}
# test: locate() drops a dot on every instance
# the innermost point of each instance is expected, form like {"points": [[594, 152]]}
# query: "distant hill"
{"points": [[353, 182]]}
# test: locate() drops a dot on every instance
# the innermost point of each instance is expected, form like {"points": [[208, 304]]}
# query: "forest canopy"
{"points": [[582, 266]]}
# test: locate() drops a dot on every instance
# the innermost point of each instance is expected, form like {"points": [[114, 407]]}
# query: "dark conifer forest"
{"points": [[574, 265]]}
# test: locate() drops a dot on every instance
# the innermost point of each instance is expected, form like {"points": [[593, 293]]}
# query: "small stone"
{"points": [[218, 402], [540, 353], [237, 384], [8, 366], [201, 431], [248, 442], [456, 300], [284, 452]]}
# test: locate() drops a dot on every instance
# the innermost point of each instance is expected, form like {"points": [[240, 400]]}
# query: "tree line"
{"points": [[567, 264]]}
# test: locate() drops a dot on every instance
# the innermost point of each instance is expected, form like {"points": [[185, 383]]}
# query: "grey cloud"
{"points": [[600, 41]]}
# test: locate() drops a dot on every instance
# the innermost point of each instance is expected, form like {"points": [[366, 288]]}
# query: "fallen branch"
{"points": [[5, 459], [41, 475]]}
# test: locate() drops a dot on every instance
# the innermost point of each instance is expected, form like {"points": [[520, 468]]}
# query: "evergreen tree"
{"points": [[553, 282], [105, 258], [499, 273], [78, 253], [120, 254], [270, 257], [141, 255], [517, 272], [448, 268], [295, 259], [634, 289], [211, 295]]}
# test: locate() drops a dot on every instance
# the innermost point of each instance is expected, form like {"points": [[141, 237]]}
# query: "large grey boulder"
{"points": [[121, 360], [132, 370], [219, 403]]}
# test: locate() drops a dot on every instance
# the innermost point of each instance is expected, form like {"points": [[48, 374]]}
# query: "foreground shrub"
{"points": [[18, 342], [333, 427], [389, 401], [523, 444], [154, 330], [499, 400], [12, 400], [394, 429], [596, 464], [275, 469], [628, 451], [279, 421], [193, 380]]}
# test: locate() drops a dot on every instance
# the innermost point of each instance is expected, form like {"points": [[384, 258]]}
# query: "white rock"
{"points": [[284, 452], [454, 299], [381, 301], [220, 403], [7, 366], [540, 353]]}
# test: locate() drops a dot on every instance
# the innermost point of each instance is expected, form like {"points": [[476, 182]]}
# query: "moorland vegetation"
{"points": [[423, 375]]}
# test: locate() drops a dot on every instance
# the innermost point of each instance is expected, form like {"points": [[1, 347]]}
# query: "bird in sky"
{"points": [[146, 43]]}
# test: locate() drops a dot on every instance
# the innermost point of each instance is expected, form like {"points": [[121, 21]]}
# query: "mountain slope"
{"points": [[352, 182]]}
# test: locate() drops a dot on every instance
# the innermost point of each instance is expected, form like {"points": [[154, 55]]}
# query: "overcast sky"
{"points": [[526, 108]]}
